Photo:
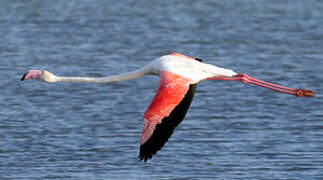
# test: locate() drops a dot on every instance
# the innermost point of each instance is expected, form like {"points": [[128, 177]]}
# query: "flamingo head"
{"points": [[41, 75]]}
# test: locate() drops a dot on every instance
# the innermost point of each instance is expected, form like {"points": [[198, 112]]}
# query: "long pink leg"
{"points": [[275, 87]]}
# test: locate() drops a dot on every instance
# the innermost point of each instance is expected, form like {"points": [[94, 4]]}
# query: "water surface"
{"points": [[92, 131]]}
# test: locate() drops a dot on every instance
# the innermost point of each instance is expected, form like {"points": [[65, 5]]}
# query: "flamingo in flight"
{"points": [[179, 75]]}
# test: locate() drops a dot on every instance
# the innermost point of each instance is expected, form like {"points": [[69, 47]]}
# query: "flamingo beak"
{"points": [[32, 74], [23, 77]]}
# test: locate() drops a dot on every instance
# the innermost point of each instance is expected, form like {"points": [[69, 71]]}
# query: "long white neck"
{"points": [[109, 79]]}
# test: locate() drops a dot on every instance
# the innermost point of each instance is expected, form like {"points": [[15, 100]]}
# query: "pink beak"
{"points": [[32, 74]]}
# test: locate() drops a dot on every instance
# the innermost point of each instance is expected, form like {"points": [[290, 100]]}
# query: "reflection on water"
{"points": [[92, 131]]}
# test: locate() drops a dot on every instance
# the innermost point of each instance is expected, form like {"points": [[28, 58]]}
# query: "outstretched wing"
{"points": [[167, 109]]}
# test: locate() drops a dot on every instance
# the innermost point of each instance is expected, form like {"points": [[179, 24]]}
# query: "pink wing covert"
{"points": [[166, 111]]}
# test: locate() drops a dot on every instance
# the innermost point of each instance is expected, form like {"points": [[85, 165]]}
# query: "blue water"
{"points": [[92, 131]]}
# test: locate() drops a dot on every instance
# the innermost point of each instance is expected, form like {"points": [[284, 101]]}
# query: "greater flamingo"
{"points": [[179, 75]]}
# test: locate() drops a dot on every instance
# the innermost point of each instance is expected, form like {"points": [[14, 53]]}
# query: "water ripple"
{"points": [[92, 131]]}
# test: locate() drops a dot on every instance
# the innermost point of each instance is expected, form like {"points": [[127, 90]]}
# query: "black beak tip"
{"points": [[23, 77]]}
